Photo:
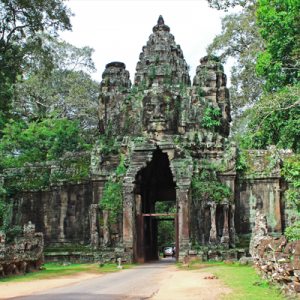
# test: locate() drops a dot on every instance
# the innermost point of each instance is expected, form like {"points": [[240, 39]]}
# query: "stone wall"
{"points": [[260, 186], [56, 197], [60, 213]]}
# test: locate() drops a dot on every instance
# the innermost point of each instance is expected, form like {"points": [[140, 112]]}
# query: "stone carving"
{"points": [[163, 115], [159, 114], [25, 254], [93, 216], [106, 233], [225, 236], [259, 232]]}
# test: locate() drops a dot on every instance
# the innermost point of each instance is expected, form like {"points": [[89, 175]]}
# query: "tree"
{"points": [[166, 229], [279, 27], [60, 87], [39, 141], [21, 19], [276, 116], [275, 121], [225, 4], [240, 39]]}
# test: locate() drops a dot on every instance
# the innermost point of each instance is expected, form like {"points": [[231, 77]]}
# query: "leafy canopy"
{"points": [[39, 141], [20, 20], [279, 27]]}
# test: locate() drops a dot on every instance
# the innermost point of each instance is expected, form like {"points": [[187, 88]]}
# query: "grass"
{"points": [[240, 279], [53, 271]]}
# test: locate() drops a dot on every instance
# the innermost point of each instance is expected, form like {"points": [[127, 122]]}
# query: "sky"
{"points": [[117, 30]]}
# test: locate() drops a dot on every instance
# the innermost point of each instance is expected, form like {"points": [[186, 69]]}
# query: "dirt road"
{"points": [[160, 280]]}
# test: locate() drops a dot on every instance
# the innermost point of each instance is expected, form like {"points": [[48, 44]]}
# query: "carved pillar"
{"points": [[183, 218], [2, 246], [128, 214], [232, 227], [106, 232], [213, 229], [225, 235], [93, 216], [63, 214]]}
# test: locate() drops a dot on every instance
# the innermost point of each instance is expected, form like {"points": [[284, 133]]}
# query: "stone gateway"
{"points": [[162, 139]]}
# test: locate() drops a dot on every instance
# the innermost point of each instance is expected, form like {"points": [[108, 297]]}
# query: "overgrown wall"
{"points": [[260, 186]]}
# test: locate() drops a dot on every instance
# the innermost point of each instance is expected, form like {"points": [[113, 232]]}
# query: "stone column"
{"points": [[106, 233], [128, 214], [232, 232], [2, 245], [93, 216], [213, 229], [63, 214], [183, 218], [225, 235]]}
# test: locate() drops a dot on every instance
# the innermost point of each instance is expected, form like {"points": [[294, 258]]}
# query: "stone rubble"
{"points": [[24, 255], [275, 258]]}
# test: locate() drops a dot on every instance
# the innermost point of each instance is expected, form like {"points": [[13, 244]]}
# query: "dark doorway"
{"points": [[154, 184]]}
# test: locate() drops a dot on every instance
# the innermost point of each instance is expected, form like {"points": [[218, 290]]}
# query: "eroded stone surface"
{"points": [[25, 254], [157, 130]]}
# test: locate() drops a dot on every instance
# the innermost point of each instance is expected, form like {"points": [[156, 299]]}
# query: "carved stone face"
{"points": [[160, 114]]}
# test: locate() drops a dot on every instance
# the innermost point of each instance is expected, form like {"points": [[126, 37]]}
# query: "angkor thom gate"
{"points": [[171, 138]]}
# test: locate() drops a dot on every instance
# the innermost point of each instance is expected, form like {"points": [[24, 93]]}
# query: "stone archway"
{"points": [[181, 170], [154, 183]]}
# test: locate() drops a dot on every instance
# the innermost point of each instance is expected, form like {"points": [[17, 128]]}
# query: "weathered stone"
{"points": [[259, 232], [23, 255], [156, 130]]}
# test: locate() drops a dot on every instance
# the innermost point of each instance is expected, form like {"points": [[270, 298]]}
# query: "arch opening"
{"points": [[156, 194]]}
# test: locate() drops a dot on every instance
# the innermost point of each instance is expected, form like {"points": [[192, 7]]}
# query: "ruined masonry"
{"points": [[162, 139]]}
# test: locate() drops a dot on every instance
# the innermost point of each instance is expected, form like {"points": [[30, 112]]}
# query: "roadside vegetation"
{"points": [[55, 270], [243, 280]]}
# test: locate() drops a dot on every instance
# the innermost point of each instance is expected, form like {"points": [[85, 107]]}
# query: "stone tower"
{"points": [[166, 132]]}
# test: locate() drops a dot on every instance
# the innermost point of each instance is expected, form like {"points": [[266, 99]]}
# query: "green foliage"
{"points": [[225, 4], [206, 186], [241, 282], [291, 173], [60, 88], [20, 20], [166, 229], [12, 232], [71, 170], [113, 193], [279, 26], [157, 59], [108, 140], [275, 121], [3, 209], [241, 41], [242, 162], [152, 76], [210, 119], [292, 233], [39, 141]]}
